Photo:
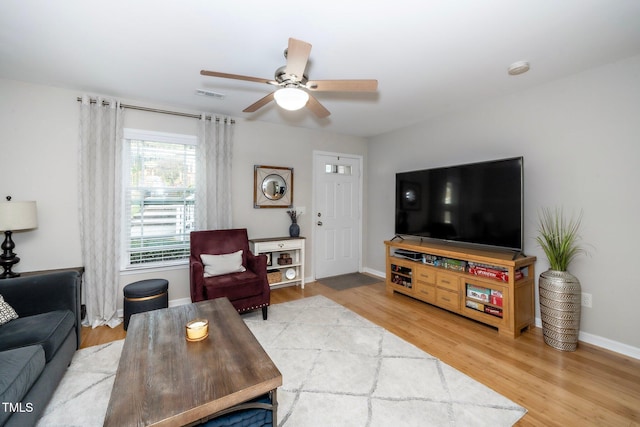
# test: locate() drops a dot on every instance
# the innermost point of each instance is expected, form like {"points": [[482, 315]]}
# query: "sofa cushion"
{"points": [[233, 286], [19, 370], [7, 312], [217, 265], [47, 329]]}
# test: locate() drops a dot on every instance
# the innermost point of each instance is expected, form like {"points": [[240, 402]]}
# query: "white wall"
{"points": [[39, 138], [580, 138]]}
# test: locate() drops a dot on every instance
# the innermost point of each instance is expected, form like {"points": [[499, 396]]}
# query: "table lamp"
{"points": [[14, 216]]}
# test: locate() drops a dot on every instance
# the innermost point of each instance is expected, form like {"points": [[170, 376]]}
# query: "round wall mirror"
{"points": [[274, 187]]}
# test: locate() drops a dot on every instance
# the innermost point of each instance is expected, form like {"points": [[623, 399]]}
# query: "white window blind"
{"points": [[159, 192]]}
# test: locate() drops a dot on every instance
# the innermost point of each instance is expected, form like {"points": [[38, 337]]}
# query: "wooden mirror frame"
{"points": [[260, 199]]}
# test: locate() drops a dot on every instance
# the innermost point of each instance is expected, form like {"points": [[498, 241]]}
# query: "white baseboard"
{"points": [[605, 343], [380, 274]]}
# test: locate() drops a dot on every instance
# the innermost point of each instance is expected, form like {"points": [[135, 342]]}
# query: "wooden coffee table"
{"points": [[164, 380]]}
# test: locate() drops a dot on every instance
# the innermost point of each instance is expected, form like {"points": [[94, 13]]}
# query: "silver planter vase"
{"points": [[560, 297]]}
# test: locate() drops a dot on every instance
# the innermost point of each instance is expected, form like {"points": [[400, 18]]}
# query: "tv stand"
{"points": [[492, 287]]}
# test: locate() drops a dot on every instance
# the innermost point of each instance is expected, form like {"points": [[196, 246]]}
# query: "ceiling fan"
{"points": [[292, 82]]}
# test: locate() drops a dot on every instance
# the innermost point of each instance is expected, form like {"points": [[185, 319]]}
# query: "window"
{"points": [[159, 197], [337, 169]]}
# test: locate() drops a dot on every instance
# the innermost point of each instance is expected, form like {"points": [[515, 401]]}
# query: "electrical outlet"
{"points": [[587, 300]]}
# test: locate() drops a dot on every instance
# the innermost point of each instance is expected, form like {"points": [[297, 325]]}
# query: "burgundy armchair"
{"points": [[247, 290]]}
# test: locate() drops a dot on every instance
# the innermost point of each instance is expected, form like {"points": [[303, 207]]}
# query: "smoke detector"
{"points": [[519, 67]]}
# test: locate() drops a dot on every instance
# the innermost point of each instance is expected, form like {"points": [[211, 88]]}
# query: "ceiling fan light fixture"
{"points": [[291, 98]]}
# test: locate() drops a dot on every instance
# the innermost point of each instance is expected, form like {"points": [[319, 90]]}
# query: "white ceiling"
{"points": [[429, 56]]}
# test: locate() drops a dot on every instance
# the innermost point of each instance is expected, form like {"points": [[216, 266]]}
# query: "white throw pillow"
{"points": [[217, 265], [7, 312]]}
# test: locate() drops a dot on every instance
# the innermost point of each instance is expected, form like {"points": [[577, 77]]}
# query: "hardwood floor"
{"points": [[588, 387]]}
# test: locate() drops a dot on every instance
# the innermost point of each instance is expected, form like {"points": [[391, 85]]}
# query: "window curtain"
{"points": [[100, 200], [213, 182]]}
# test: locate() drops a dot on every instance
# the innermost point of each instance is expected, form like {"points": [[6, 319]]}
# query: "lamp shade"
{"points": [[291, 98], [16, 216]]}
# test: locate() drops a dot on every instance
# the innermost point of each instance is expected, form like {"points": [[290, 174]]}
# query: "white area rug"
{"points": [[82, 397], [338, 369]]}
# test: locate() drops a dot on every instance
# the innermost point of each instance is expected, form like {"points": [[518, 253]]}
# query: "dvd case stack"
{"points": [[401, 275], [430, 259]]}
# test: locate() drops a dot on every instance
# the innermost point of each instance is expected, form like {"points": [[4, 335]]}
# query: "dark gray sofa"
{"points": [[37, 348]]}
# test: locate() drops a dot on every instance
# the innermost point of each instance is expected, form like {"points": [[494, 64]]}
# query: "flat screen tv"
{"points": [[477, 203]]}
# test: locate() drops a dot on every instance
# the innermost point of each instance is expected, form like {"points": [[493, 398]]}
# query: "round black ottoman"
{"points": [[145, 295]]}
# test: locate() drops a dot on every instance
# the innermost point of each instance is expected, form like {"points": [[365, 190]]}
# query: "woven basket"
{"points": [[274, 277]]}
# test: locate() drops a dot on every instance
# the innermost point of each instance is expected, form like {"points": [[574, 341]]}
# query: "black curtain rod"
{"points": [[155, 110]]}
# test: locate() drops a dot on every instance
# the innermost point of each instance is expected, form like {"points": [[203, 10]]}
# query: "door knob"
{"points": [[320, 223]]}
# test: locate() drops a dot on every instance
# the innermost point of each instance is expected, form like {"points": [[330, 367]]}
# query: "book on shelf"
{"points": [[478, 293], [492, 272], [488, 266], [487, 309], [454, 264], [495, 298], [494, 311], [475, 305]]}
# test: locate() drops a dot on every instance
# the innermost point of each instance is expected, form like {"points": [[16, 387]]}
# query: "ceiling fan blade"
{"points": [[297, 57], [259, 104], [318, 109], [342, 85], [235, 76]]}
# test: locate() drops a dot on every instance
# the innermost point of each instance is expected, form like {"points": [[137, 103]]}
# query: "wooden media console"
{"points": [[492, 287]]}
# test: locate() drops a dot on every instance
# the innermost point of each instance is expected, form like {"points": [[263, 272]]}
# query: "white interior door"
{"points": [[336, 215]]}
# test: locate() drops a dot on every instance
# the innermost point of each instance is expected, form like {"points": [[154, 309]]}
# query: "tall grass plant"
{"points": [[559, 237]]}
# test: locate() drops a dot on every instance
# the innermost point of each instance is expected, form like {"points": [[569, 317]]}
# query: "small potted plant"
{"points": [[294, 228], [559, 291]]}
